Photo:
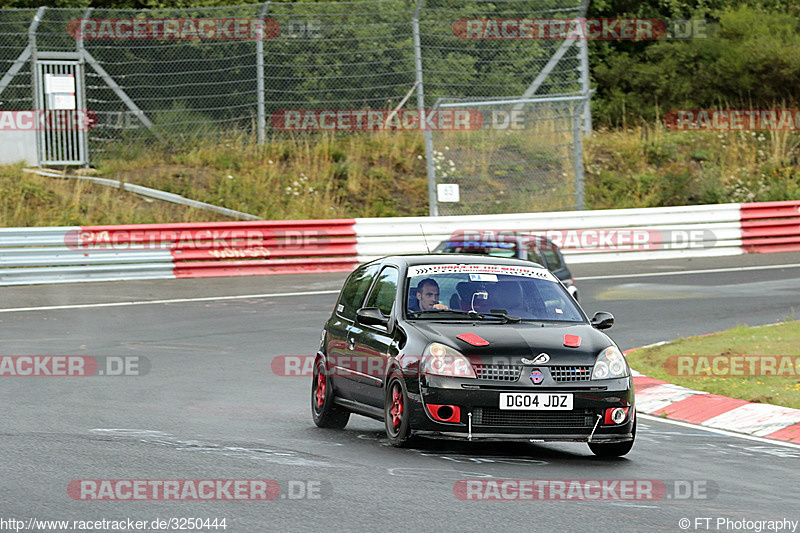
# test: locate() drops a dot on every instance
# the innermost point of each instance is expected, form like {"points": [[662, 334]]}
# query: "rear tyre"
{"points": [[396, 414], [325, 413], [613, 449]]}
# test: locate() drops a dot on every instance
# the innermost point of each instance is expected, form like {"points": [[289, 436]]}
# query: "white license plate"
{"points": [[539, 401]]}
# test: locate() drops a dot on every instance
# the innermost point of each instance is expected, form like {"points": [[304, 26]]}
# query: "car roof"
{"points": [[535, 239], [444, 259]]}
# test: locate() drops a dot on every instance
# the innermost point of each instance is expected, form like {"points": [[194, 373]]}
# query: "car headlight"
{"points": [[442, 360], [610, 364]]}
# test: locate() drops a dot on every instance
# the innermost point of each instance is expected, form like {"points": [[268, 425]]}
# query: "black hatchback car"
{"points": [[512, 357]]}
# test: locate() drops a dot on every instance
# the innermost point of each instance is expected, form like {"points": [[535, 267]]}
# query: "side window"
{"points": [[384, 291], [354, 290], [535, 256], [553, 260]]}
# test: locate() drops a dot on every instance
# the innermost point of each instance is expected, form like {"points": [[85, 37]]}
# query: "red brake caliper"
{"points": [[397, 407], [320, 389]]}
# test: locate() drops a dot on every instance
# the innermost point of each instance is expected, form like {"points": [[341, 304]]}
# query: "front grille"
{"points": [[497, 372], [561, 374], [494, 416]]}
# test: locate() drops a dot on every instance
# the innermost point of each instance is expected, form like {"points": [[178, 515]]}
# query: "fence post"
{"points": [[433, 207], [587, 108], [37, 100], [577, 153], [584, 68], [262, 117], [79, 48]]}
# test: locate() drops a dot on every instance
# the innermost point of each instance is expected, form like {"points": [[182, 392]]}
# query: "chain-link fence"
{"points": [[174, 75], [526, 158]]}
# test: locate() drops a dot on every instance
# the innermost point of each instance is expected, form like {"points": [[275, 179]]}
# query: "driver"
{"points": [[428, 295]]}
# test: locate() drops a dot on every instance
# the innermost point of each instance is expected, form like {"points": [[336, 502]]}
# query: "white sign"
{"points": [[448, 192], [59, 83], [63, 101]]}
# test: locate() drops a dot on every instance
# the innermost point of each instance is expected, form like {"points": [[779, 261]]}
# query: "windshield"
{"points": [[455, 292], [496, 249]]}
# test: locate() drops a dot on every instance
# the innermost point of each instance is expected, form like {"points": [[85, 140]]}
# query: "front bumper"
{"points": [[488, 422], [597, 438]]}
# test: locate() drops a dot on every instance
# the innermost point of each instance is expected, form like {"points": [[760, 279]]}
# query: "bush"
{"points": [[751, 60]]}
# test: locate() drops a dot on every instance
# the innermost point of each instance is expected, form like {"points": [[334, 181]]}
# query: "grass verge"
{"points": [[781, 339], [382, 174], [30, 200]]}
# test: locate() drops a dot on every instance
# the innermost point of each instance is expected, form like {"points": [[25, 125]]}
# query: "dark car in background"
{"points": [[537, 249], [512, 357]]}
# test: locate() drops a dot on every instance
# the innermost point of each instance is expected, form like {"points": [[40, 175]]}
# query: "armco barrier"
{"points": [[152, 251], [156, 251], [771, 227], [717, 227]]}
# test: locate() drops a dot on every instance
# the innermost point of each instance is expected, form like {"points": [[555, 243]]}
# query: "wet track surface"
{"points": [[211, 408]]}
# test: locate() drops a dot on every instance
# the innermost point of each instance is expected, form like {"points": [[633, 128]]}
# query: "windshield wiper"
{"points": [[472, 314], [508, 318]]}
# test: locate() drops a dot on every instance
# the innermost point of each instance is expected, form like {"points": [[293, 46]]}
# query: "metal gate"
{"points": [[62, 120], [527, 157]]}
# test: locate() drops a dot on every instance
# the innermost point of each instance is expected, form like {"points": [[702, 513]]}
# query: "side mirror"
{"points": [[371, 316], [602, 320]]}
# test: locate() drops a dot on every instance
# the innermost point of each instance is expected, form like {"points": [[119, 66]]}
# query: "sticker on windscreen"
{"points": [[483, 277], [527, 272]]}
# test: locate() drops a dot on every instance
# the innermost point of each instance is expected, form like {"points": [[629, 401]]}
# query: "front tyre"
{"points": [[614, 449], [395, 412], [325, 413]]}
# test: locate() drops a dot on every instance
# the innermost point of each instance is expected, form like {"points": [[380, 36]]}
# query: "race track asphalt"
{"points": [[212, 408]]}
